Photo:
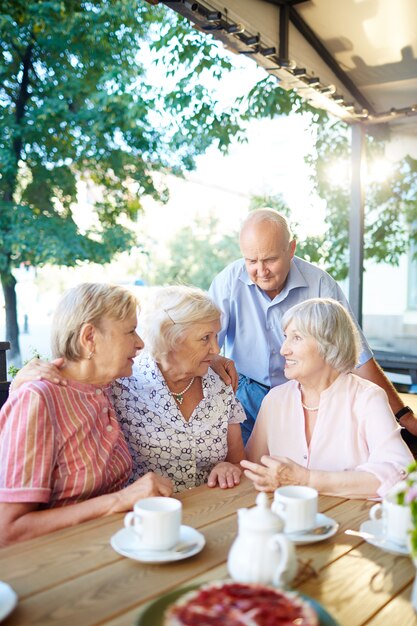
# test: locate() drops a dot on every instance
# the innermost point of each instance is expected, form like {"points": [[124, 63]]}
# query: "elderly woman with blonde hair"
{"points": [[63, 457], [326, 428], [178, 417]]}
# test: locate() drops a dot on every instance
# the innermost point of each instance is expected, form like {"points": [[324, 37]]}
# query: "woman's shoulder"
{"points": [[288, 388], [361, 389], [215, 384]]}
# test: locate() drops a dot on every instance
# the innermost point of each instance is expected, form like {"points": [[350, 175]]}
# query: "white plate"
{"points": [[8, 600], [321, 520], [375, 527], [127, 543]]}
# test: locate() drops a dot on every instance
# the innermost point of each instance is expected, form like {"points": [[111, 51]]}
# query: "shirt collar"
{"points": [[295, 279]]}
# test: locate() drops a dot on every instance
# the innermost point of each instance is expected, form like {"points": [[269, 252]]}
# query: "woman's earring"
{"points": [[90, 356]]}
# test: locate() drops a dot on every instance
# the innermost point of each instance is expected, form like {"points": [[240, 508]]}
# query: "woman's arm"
{"points": [[274, 472], [23, 520], [39, 370], [227, 473]]}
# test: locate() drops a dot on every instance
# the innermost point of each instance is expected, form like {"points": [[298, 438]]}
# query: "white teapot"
{"points": [[261, 553]]}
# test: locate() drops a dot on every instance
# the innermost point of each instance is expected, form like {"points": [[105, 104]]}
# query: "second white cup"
{"points": [[297, 505], [157, 521], [396, 519]]}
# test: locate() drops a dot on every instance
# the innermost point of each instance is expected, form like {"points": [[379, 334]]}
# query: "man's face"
{"points": [[267, 255]]}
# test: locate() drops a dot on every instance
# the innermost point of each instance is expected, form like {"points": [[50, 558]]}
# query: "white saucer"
{"points": [[321, 520], [127, 543], [375, 527], [8, 600]]}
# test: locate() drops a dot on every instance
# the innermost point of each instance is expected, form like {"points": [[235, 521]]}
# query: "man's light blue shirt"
{"points": [[251, 322]]}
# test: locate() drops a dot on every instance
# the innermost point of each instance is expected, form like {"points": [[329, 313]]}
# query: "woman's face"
{"points": [[192, 357], [116, 344], [303, 361]]}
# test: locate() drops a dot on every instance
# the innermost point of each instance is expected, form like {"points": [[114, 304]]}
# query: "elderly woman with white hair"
{"points": [[63, 457], [326, 428], [178, 417]]}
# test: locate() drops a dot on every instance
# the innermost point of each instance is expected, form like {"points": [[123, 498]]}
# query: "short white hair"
{"points": [[329, 323], [167, 315], [87, 303], [266, 214]]}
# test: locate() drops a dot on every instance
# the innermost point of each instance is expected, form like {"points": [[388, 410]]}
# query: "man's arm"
{"points": [[372, 371]]}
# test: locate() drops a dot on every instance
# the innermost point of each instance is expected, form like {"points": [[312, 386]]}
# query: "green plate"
{"points": [[153, 613]]}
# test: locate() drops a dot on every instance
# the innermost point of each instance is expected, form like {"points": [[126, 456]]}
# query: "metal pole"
{"points": [[356, 223]]}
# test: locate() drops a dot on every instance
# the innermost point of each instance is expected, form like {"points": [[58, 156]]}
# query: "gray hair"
{"points": [[329, 323], [268, 215], [168, 314], [88, 303]]}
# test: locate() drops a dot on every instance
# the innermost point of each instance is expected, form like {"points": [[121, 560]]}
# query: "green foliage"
{"points": [[390, 206], [13, 370], [406, 495], [197, 254], [110, 92]]}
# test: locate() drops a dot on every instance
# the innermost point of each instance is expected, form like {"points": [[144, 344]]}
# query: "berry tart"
{"points": [[229, 603]]}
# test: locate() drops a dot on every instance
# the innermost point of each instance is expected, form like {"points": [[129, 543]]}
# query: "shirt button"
{"points": [[109, 428], [305, 456], [104, 409], [98, 392]]}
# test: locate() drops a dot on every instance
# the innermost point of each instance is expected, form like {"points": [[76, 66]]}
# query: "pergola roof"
{"points": [[355, 58]]}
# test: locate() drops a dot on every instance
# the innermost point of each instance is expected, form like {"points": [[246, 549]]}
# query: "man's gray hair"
{"points": [[329, 323], [87, 303], [168, 314], [268, 215]]}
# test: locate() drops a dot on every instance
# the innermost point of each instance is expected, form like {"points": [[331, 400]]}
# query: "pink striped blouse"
{"points": [[60, 445]]}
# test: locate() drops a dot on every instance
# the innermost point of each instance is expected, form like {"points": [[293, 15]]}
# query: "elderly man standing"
{"points": [[253, 294]]}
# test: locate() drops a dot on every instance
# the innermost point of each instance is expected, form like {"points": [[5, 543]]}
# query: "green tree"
{"points": [[196, 254], [76, 101], [390, 205]]}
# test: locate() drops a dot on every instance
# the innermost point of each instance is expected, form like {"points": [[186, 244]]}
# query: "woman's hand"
{"points": [[225, 368], [39, 370], [147, 486], [224, 474], [274, 472]]}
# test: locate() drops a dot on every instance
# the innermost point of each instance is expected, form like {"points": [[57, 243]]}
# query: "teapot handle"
{"points": [[285, 571]]}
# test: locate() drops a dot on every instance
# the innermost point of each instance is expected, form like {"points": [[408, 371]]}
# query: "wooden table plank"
{"points": [[357, 586], [399, 606], [74, 577]]}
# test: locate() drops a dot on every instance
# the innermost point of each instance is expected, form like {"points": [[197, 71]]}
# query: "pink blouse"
{"points": [[355, 430], [60, 445]]}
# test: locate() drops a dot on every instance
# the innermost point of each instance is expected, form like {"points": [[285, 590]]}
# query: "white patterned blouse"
{"points": [[160, 439]]}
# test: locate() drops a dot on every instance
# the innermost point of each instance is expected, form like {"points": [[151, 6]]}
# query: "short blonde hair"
{"points": [[329, 323], [168, 314], [88, 303], [268, 215]]}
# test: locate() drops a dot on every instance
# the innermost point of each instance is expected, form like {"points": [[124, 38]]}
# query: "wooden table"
{"points": [[73, 577]]}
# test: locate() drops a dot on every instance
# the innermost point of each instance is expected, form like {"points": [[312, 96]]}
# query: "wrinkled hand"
{"points": [[225, 368], [147, 486], [39, 370], [224, 474], [274, 472]]}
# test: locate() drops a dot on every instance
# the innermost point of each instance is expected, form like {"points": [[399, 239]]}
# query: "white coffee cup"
{"points": [[157, 521], [396, 519], [297, 506]]}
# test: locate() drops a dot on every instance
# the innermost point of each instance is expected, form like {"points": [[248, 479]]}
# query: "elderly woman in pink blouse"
{"points": [[63, 457], [325, 428]]}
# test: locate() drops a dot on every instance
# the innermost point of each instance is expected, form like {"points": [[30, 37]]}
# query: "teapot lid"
{"points": [[260, 517]]}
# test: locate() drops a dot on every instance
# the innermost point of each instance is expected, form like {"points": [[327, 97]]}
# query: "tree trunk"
{"points": [[8, 283]]}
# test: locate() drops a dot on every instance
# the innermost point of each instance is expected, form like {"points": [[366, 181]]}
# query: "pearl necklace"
{"points": [[310, 408], [179, 397]]}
